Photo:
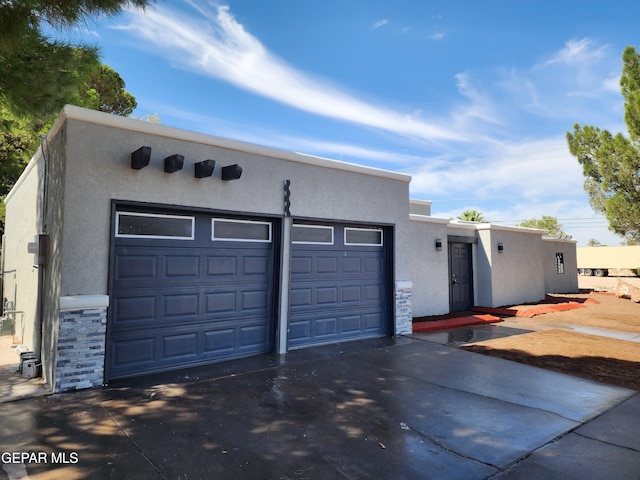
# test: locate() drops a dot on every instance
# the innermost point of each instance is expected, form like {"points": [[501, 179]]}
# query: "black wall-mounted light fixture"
{"points": [[173, 163], [500, 248], [231, 172], [140, 158], [204, 169], [438, 244]]}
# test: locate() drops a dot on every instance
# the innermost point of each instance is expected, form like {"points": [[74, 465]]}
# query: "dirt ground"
{"points": [[556, 347]]}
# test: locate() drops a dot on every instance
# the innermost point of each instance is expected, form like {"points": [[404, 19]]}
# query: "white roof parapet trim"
{"points": [[507, 228], [414, 217], [547, 238], [115, 121], [420, 202]]}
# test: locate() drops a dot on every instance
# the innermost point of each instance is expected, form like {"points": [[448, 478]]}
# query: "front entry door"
{"points": [[460, 280]]}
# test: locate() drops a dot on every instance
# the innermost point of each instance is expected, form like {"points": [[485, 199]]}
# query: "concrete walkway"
{"points": [[382, 409]]}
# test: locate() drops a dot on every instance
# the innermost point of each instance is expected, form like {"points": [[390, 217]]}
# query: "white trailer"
{"points": [[600, 261]]}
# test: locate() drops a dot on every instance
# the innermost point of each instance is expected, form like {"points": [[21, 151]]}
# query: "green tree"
{"points": [[611, 163], [105, 91], [545, 223], [471, 216], [595, 243], [40, 75]]}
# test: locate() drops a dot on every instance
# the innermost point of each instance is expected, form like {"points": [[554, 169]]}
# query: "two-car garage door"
{"points": [[191, 289]]}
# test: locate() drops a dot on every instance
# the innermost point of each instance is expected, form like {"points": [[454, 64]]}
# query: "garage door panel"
{"points": [[183, 347], [373, 265], [301, 265], [326, 265], [254, 301], [300, 297], [138, 352], [372, 321], [135, 267], [182, 266], [326, 327], [326, 296], [134, 309], [373, 293], [221, 266], [220, 302], [352, 324], [351, 265], [331, 327], [252, 337], [219, 342], [352, 294], [181, 305], [255, 265]]}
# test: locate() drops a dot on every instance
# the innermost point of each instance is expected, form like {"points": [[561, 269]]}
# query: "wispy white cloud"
{"points": [[437, 36], [214, 44], [533, 169], [576, 52], [381, 23]]}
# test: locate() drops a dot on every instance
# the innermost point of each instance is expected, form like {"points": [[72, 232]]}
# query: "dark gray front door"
{"points": [[181, 297], [338, 286], [461, 279]]}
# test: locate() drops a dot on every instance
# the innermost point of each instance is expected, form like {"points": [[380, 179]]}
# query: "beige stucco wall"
{"points": [[429, 268], [29, 214], [517, 274], [98, 170], [555, 282], [20, 275]]}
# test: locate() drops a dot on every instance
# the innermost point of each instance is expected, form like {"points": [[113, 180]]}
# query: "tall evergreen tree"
{"points": [[40, 75], [611, 163]]}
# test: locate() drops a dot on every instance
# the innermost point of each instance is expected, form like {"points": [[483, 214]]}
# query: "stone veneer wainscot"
{"points": [[82, 331]]}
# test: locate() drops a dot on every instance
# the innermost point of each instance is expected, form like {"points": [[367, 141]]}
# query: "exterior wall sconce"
{"points": [[204, 168], [438, 244], [140, 158], [173, 163], [231, 172], [500, 248]]}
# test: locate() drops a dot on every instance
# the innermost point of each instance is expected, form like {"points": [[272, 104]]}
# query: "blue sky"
{"points": [[473, 99]]}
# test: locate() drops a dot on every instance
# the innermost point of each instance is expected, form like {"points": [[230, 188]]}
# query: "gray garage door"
{"points": [[338, 285], [188, 290]]}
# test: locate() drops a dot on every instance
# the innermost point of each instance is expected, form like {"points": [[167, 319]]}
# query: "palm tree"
{"points": [[471, 216]]}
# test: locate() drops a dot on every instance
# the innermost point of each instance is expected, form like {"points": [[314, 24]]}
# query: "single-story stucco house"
{"points": [[132, 248]]}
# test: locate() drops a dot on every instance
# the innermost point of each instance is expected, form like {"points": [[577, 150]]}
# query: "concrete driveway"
{"points": [[385, 409]]}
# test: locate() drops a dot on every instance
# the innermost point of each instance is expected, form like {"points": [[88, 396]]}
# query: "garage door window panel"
{"points": [[151, 225], [312, 234], [240, 230], [363, 236]]}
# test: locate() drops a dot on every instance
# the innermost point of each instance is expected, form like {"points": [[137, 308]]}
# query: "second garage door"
{"points": [[338, 284]]}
